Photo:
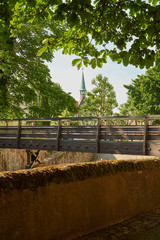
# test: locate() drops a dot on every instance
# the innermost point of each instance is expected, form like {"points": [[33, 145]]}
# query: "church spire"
{"points": [[82, 89]]}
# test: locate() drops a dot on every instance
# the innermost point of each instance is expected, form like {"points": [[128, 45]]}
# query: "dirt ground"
{"points": [[143, 227]]}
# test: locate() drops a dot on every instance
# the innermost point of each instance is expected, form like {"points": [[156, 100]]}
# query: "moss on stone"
{"points": [[41, 177]]}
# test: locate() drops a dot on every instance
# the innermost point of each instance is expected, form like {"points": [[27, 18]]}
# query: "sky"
{"points": [[69, 77]]}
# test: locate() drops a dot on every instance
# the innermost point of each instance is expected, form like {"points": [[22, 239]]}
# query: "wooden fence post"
{"points": [[6, 126], [28, 158], [68, 123], [33, 124], [18, 133], [145, 136], [98, 134], [59, 133], [6, 122]]}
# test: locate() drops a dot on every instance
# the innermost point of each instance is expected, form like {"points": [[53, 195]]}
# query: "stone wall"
{"points": [[15, 159], [12, 159], [65, 158], [67, 201]]}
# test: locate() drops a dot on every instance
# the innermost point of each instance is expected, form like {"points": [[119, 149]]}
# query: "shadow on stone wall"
{"points": [[68, 201]]}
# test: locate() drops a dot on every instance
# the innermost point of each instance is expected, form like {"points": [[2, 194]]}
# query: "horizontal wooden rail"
{"points": [[121, 135], [152, 117]]}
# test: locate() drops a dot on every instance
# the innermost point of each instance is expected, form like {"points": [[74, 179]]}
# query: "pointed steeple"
{"points": [[83, 87], [82, 90]]}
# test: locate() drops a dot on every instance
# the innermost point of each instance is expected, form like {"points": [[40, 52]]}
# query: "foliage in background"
{"points": [[101, 100], [143, 94], [26, 88], [128, 108], [126, 31]]}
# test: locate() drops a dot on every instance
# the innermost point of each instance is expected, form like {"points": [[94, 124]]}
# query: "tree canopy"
{"points": [[144, 94], [101, 100], [128, 108], [26, 88], [127, 31]]}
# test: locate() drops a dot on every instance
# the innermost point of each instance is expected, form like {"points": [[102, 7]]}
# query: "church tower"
{"points": [[82, 91]]}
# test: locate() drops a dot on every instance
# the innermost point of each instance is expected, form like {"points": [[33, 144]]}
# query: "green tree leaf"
{"points": [[76, 61], [42, 50], [93, 63]]}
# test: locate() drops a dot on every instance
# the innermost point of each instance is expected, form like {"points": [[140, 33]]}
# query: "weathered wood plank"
{"points": [[36, 144], [76, 136], [120, 131], [153, 149], [86, 118], [121, 148], [78, 133], [38, 128], [8, 128], [131, 135], [153, 132], [153, 127], [153, 137], [124, 127], [33, 135], [8, 143], [6, 135], [123, 137], [79, 128], [67, 134], [78, 146]]}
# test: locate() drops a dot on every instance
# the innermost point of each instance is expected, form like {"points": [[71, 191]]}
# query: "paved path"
{"points": [[142, 227]]}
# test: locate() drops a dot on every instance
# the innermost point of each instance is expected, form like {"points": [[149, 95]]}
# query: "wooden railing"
{"points": [[122, 135]]}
